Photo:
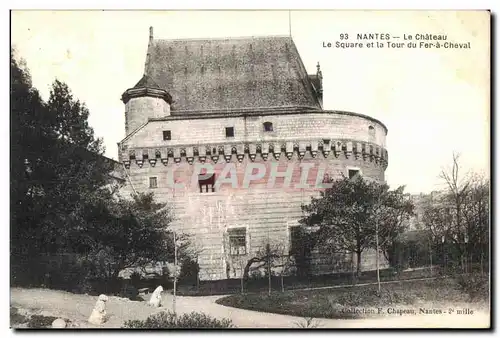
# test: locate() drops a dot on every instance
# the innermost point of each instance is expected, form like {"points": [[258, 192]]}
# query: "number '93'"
{"points": [[344, 36]]}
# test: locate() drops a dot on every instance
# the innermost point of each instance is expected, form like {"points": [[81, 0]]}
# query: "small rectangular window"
{"points": [[167, 135], [238, 241], [153, 182], [268, 126], [229, 131], [353, 173]]}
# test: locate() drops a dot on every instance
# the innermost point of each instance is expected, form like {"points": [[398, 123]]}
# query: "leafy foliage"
{"points": [[166, 320], [56, 164], [63, 195], [135, 278], [16, 317], [394, 211], [302, 243], [135, 233], [40, 322], [475, 285], [414, 249], [460, 215], [189, 271], [308, 323], [347, 215]]}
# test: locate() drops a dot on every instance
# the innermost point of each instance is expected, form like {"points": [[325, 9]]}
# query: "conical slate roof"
{"points": [[146, 87], [146, 82]]}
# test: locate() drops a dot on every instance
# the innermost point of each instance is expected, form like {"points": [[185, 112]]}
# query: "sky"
{"points": [[433, 101]]}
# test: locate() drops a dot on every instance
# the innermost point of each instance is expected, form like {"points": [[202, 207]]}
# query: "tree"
{"points": [[267, 254], [460, 213], [56, 165], [63, 196], [69, 118], [476, 218], [458, 188], [235, 262], [283, 262], [415, 248], [342, 215], [124, 234], [191, 247], [189, 271], [302, 243], [76, 167], [28, 134], [395, 211], [346, 215], [240, 262]]}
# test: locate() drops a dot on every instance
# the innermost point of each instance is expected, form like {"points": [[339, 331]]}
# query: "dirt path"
{"points": [[78, 307]]}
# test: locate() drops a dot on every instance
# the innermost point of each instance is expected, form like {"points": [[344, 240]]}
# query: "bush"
{"points": [[25, 273], [62, 271], [135, 279], [189, 272], [16, 317], [40, 322], [109, 286], [165, 320], [308, 323], [475, 285], [130, 291]]}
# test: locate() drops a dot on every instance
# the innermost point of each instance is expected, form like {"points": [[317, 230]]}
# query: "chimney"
{"points": [[151, 34], [320, 76]]}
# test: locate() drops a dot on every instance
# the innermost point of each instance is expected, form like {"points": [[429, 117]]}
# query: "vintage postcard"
{"points": [[250, 169]]}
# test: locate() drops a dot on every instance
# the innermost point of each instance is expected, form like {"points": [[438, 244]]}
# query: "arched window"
{"points": [[206, 181], [268, 126], [371, 132]]}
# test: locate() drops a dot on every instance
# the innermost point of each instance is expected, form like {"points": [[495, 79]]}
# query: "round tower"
{"points": [[144, 101]]}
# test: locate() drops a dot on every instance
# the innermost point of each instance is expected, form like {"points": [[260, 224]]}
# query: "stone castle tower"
{"points": [[205, 105]]}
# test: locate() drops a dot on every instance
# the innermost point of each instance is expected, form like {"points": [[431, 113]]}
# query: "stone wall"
{"points": [[334, 141], [266, 212], [286, 127], [138, 110]]}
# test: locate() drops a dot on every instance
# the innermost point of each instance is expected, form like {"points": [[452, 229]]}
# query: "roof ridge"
{"points": [[228, 38], [307, 80]]}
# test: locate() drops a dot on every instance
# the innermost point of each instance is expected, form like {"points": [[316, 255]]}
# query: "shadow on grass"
{"points": [[348, 303], [18, 320]]}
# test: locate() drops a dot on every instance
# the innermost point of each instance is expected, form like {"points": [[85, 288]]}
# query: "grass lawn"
{"points": [[350, 303]]}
